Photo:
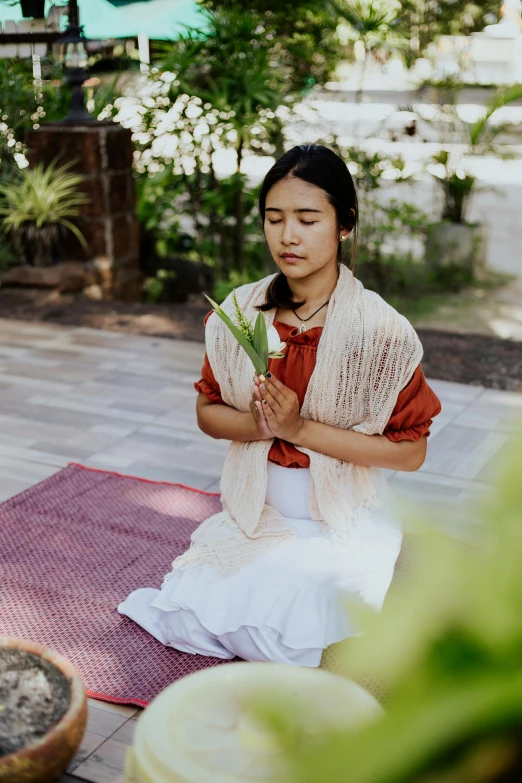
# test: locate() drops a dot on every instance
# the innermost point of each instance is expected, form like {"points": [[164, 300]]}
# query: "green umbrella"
{"points": [[157, 19]]}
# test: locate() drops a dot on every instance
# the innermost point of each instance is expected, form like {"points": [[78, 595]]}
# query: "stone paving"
{"points": [[126, 403]]}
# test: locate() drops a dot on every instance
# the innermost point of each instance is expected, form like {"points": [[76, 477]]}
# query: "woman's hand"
{"points": [[256, 406], [280, 408]]}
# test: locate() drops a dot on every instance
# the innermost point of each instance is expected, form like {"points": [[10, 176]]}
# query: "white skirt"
{"points": [[286, 606]]}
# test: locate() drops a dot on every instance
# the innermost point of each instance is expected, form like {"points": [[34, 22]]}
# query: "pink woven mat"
{"points": [[73, 547]]}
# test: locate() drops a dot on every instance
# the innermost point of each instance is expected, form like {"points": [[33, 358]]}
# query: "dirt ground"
{"points": [[461, 356]]}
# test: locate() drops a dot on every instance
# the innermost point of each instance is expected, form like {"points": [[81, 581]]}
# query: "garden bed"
{"points": [[451, 356]]}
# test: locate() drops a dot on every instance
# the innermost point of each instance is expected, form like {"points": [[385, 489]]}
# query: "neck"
{"points": [[317, 287]]}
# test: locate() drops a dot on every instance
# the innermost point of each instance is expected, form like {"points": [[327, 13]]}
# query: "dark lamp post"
{"points": [[77, 72]]}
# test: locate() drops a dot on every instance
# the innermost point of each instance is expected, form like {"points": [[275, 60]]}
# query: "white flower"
{"points": [[275, 346]]}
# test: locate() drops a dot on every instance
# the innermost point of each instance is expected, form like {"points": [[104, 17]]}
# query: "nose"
{"points": [[290, 234]]}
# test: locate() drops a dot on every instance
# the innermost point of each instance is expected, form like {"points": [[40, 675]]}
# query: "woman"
{"points": [[306, 525]]}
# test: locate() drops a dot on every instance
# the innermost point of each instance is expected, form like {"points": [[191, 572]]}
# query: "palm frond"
{"points": [[369, 19], [501, 98]]}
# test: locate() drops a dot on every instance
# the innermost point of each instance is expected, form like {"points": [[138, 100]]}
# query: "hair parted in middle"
{"points": [[322, 167]]}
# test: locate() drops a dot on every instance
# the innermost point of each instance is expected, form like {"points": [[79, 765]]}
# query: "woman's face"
{"points": [[300, 227]]}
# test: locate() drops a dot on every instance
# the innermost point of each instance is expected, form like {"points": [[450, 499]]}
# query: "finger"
{"points": [[266, 394], [278, 385], [278, 390], [263, 422], [262, 410], [269, 412], [259, 416], [257, 409]]}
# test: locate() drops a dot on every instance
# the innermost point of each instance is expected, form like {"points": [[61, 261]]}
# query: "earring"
{"points": [[342, 236]]}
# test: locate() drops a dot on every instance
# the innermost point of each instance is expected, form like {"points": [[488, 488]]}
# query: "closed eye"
{"points": [[304, 222]]}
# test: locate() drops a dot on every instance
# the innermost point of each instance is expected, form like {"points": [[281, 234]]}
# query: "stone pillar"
{"points": [[103, 154]]}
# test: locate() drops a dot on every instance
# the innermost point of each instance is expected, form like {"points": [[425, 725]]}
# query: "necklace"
{"points": [[302, 328]]}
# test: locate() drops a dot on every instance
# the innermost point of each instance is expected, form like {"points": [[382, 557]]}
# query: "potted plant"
{"points": [[43, 712], [454, 246], [37, 208]]}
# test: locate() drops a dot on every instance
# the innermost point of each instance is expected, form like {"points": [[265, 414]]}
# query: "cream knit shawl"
{"points": [[367, 353]]}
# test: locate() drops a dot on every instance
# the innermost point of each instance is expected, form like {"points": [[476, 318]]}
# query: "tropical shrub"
{"points": [[38, 207]]}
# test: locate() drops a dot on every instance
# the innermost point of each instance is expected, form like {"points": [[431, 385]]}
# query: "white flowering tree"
{"points": [[211, 104]]}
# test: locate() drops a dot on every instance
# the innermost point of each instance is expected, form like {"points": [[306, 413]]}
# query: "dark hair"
{"points": [[322, 167]]}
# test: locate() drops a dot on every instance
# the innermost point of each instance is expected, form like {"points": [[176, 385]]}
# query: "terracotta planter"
{"points": [[47, 759], [457, 245]]}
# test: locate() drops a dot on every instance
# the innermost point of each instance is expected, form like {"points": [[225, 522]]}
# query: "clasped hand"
{"points": [[275, 408]]}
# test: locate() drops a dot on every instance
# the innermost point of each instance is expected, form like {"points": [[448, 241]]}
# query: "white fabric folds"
{"points": [[288, 604]]}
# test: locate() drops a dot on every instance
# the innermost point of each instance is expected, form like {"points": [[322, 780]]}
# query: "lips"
{"points": [[290, 257]]}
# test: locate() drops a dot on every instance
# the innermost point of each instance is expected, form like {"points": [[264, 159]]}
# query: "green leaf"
{"points": [[261, 338], [501, 98], [42, 196], [76, 231], [259, 366]]}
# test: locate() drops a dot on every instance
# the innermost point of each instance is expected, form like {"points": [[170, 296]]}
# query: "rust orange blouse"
{"points": [[417, 404]]}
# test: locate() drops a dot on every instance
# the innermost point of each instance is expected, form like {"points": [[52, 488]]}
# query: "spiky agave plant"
{"points": [[38, 206]]}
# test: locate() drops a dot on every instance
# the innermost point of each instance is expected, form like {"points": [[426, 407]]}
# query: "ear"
{"points": [[344, 233]]}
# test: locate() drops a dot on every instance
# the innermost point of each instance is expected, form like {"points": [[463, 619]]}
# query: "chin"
{"points": [[295, 271]]}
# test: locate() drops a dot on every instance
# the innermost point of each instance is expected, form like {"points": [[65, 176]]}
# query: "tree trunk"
{"points": [[195, 209], [360, 88], [279, 138], [218, 232], [359, 94], [224, 253], [239, 239]]}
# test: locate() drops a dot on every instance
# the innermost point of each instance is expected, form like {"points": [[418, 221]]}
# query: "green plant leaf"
{"points": [[259, 366], [501, 98], [76, 231], [441, 157], [43, 196], [261, 338]]}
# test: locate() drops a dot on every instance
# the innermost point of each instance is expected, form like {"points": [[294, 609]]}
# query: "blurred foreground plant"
{"points": [[449, 648]]}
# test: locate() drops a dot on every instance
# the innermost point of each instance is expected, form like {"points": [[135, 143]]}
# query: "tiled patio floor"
{"points": [[126, 403]]}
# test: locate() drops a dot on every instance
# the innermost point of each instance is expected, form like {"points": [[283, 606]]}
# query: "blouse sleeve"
{"points": [[207, 384], [416, 407]]}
